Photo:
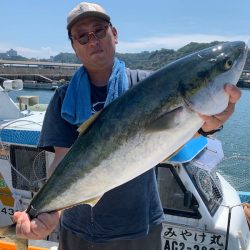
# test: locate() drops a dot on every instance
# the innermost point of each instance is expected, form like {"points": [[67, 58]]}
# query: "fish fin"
{"points": [[92, 201], [8, 234], [21, 244], [83, 128], [168, 120], [168, 157]]}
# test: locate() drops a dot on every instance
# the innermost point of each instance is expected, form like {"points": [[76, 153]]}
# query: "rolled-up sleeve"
{"points": [[56, 132]]}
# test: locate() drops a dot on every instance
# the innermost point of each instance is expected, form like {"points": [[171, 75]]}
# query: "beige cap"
{"points": [[85, 9]]}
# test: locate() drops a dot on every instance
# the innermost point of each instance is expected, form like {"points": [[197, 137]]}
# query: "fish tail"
{"points": [[8, 234]]}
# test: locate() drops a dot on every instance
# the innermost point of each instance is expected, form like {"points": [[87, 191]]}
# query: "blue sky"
{"points": [[38, 28]]}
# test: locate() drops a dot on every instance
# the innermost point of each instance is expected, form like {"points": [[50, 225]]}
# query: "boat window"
{"points": [[208, 185], [175, 198], [28, 167]]}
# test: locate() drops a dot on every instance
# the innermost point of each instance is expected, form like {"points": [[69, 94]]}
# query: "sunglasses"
{"points": [[99, 34]]}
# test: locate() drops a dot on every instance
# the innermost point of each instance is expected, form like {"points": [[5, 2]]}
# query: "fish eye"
{"points": [[228, 64]]}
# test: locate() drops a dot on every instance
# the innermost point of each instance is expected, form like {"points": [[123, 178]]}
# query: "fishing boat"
{"points": [[22, 165], [40, 85], [202, 210]]}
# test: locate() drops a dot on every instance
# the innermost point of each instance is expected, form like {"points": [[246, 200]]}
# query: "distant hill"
{"points": [[5, 56], [144, 60], [66, 58], [150, 60], [158, 58]]}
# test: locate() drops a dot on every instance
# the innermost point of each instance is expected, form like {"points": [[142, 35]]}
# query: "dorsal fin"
{"points": [[82, 129]]}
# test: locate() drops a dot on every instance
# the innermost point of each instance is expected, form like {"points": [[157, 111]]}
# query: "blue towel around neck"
{"points": [[76, 106]]}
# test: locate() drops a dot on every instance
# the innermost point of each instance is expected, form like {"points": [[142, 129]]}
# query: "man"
{"points": [[129, 216], [246, 207]]}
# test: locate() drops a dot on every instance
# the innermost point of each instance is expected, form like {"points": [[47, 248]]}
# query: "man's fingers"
{"points": [[233, 92], [211, 122], [247, 213], [44, 224], [16, 215], [224, 115], [23, 225], [216, 121], [48, 221], [37, 228]]}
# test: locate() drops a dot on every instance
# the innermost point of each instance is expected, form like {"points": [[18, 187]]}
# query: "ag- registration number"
{"points": [[186, 238]]}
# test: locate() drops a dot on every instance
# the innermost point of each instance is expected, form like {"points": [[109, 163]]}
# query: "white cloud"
{"points": [[172, 42], [44, 52], [39, 53]]}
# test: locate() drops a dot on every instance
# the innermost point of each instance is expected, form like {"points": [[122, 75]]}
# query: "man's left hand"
{"points": [[216, 121]]}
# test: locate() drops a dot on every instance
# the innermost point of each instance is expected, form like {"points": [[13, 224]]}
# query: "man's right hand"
{"points": [[38, 228], [246, 207]]}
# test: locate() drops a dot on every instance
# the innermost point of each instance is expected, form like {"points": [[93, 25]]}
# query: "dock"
{"points": [[37, 71], [36, 74]]}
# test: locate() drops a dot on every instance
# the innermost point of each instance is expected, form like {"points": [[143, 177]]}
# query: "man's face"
{"points": [[97, 53]]}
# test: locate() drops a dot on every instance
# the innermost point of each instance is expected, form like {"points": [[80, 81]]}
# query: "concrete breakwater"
{"points": [[42, 75], [32, 71], [243, 83]]}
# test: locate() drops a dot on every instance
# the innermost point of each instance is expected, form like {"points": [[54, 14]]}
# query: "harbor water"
{"points": [[235, 138], [44, 95]]}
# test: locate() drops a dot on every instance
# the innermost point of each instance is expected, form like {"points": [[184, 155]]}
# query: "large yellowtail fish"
{"points": [[141, 128]]}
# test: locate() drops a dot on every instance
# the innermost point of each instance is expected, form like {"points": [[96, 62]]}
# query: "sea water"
{"points": [[44, 95], [235, 138]]}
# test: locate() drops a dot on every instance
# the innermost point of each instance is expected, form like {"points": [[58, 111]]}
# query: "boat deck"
{"points": [[24, 131]]}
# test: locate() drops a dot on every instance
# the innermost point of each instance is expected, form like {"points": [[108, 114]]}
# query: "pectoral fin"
{"points": [[90, 202], [93, 201], [168, 120], [168, 157]]}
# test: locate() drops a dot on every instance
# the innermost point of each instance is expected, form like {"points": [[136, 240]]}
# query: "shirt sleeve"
{"points": [[56, 132], [136, 75]]}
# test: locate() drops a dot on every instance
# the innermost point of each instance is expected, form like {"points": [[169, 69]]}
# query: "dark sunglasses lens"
{"points": [[101, 33], [84, 39]]}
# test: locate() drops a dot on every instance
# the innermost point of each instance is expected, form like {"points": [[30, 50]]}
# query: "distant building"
{"points": [[11, 53]]}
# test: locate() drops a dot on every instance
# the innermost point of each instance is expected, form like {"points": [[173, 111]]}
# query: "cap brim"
{"points": [[88, 14]]}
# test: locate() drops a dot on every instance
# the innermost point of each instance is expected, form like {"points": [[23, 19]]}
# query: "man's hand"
{"points": [[247, 212], [37, 228], [216, 121]]}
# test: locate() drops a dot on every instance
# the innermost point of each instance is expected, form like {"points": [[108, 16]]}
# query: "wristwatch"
{"points": [[211, 132]]}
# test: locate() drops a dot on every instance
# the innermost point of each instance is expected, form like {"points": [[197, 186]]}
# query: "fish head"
{"points": [[208, 71]]}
